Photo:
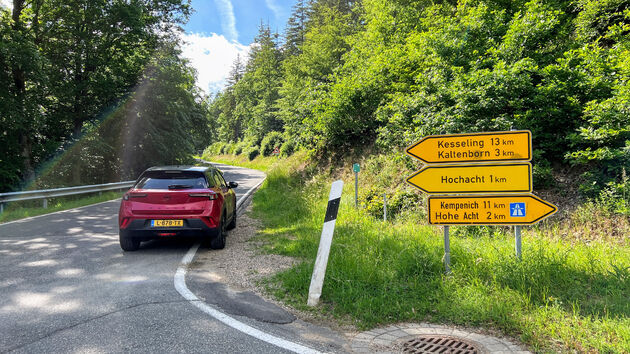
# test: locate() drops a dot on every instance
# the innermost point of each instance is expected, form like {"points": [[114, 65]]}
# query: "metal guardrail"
{"points": [[44, 194]]}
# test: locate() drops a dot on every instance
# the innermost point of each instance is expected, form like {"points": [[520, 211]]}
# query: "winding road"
{"points": [[66, 286]]}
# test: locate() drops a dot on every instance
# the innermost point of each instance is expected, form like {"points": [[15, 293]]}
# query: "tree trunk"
{"points": [[19, 82]]}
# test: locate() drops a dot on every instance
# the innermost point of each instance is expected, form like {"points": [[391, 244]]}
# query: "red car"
{"points": [[174, 201]]}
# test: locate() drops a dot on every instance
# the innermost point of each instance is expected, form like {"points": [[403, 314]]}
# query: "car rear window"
{"points": [[171, 180]]}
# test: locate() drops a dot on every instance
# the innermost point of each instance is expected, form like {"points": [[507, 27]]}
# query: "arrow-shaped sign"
{"points": [[475, 147], [523, 209], [481, 178]]}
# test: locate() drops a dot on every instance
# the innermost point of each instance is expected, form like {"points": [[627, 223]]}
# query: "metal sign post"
{"points": [[447, 251], [384, 206], [517, 240], [356, 168]]}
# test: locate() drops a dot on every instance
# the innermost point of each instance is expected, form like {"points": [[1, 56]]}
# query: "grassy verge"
{"points": [[562, 297], [24, 210], [259, 163]]}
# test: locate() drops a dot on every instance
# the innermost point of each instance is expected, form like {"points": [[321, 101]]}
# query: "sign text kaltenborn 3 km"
{"points": [[476, 147], [461, 168]]}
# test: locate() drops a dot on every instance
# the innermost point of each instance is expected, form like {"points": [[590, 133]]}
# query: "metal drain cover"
{"points": [[438, 344]]}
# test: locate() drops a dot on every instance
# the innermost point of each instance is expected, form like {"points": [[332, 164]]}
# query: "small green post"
{"points": [[356, 168]]}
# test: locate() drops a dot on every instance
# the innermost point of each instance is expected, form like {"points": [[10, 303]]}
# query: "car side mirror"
{"points": [[232, 184]]}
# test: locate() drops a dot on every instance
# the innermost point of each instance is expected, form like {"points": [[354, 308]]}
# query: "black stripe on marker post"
{"points": [[332, 209]]}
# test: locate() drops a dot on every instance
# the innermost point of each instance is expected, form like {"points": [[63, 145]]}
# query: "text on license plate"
{"points": [[166, 223]]}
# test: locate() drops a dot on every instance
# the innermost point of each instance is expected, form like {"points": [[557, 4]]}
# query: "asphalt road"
{"points": [[66, 286]]}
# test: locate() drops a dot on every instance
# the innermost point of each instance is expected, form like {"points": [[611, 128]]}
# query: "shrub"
{"points": [[615, 197], [372, 201], [543, 177], [229, 148], [271, 141], [252, 152], [214, 149], [401, 200], [207, 151], [240, 147], [287, 148]]}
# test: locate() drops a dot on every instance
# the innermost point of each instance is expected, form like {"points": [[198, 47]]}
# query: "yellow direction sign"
{"points": [[524, 209], [475, 147], [481, 178]]}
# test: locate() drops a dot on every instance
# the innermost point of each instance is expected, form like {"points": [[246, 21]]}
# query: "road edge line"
{"points": [[182, 289]]}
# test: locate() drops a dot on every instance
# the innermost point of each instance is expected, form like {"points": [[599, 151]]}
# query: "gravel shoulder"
{"points": [[241, 264]]}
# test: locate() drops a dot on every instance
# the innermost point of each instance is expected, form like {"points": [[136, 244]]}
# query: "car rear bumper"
{"points": [[141, 228]]}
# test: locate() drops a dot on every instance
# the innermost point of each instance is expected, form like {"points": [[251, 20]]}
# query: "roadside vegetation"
{"points": [[21, 210], [568, 293], [94, 92], [358, 81], [346, 75]]}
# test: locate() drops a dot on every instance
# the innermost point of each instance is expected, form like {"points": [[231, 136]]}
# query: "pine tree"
{"points": [[236, 73], [296, 28]]}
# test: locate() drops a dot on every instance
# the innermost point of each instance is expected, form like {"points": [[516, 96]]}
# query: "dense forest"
{"points": [[94, 91], [383, 73]]}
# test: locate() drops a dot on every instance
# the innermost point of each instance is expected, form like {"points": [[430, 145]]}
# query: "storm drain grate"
{"points": [[438, 344]]}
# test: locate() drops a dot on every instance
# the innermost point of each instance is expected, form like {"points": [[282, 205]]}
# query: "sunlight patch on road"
{"points": [[42, 263], [43, 302], [70, 272]]}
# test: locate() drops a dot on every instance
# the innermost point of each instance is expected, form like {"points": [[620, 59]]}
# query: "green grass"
{"points": [[23, 210], [562, 297], [259, 163]]}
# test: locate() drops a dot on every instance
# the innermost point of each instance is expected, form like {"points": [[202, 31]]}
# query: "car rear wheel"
{"points": [[218, 243], [128, 243], [232, 224]]}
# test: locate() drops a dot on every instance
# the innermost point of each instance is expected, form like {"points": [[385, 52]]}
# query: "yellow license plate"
{"points": [[167, 223]]}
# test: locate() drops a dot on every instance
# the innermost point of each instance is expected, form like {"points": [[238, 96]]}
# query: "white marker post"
{"points": [[319, 271]]}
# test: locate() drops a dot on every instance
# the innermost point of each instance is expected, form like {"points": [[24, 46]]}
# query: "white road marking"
{"points": [[182, 289]]}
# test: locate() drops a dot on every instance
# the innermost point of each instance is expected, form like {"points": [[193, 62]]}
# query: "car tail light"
{"points": [[206, 220], [210, 196], [124, 223], [134, 195]]}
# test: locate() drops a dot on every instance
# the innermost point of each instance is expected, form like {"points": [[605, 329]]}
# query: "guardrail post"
{"points": [[1, 207], [45, 203]]}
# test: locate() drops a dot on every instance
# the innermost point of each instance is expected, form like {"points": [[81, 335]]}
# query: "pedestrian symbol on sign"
{"points": [[517, 209]]}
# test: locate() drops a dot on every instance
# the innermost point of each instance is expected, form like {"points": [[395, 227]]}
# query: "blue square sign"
{"points": [[517, 209]]}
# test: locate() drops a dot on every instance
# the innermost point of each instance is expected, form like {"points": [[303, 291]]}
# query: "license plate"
{"points": [[167, 223]]}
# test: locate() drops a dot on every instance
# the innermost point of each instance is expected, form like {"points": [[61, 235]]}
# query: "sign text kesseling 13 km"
{"points": [[519, 209], [477, 178], [474, 147]]}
